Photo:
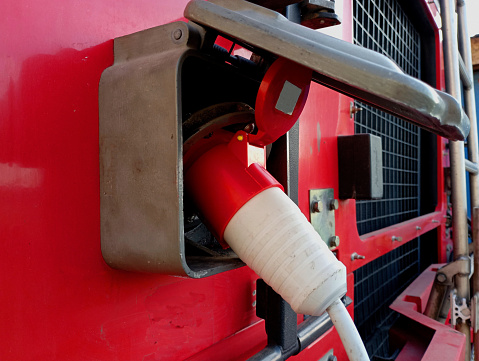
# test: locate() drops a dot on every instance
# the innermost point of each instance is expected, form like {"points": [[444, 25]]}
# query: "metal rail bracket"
{"points": [[446, 274], [459, 311]]}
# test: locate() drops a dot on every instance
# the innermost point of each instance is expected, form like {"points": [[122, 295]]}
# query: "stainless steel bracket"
{"points": [[459, 311], [350, 69], [322, 207]]}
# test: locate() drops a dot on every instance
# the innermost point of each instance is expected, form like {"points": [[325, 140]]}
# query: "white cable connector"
{"points": [[271, 235]]}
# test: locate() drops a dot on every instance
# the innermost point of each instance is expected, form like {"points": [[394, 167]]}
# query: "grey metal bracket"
{"points": [[459, 311], [463, 266], [322, 207], [347, 68]]}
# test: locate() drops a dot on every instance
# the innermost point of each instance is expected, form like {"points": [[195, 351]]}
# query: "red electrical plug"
{"points": [[223, 179]]}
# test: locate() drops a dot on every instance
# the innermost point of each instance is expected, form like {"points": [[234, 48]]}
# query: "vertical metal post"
{"points": [[458, 171], [475, 232], [469, 101], [472, 144]]}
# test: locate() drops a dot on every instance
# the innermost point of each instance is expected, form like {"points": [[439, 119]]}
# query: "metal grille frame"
{"points": [[382, 26], [376, 286]]}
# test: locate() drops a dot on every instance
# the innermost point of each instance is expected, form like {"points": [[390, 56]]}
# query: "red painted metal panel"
{"points": [[59, 300], [254, 338], [327, 115], [436, 341]]}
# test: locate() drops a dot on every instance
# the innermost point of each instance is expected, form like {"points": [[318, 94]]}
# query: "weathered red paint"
{"points": [[59, 300]]}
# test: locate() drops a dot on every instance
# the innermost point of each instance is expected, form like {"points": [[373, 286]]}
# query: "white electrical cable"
{"points": [[271, 235], [347, 332]]}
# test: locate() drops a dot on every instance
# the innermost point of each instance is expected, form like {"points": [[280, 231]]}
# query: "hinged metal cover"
{"points": [[344, 67]]}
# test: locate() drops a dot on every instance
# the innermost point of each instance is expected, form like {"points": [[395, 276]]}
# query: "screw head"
{"points": [[441, 277], [317, 206], [333, 241], [333, 204], [177, 34]]}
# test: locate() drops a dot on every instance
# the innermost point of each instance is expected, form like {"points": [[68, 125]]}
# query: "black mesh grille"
{"points": [[382, 25], [376, 286]]}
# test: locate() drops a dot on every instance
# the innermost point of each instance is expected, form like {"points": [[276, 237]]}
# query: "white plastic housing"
{"points": [[271, 235]]}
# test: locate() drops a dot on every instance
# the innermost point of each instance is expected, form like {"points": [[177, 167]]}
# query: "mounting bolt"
{"points": [[396, 238], [333, 242], [356, 256], [418, 228], [177, 34], [353, 109], [317, 206], [441, 277], [333, 204]]}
